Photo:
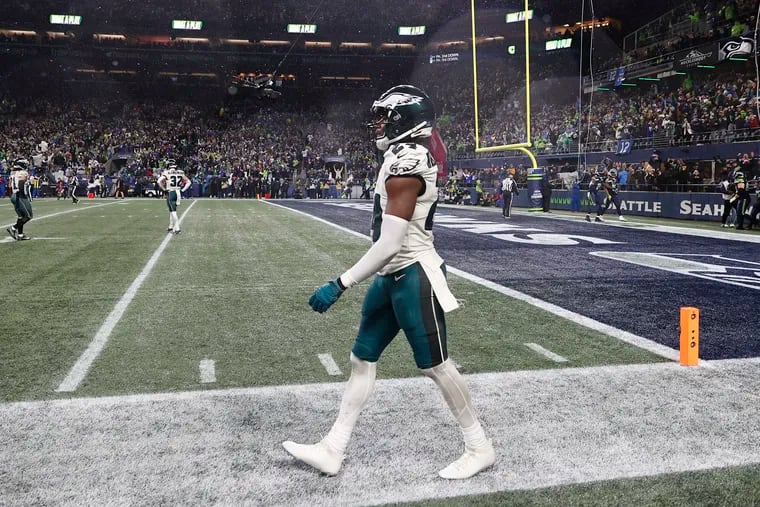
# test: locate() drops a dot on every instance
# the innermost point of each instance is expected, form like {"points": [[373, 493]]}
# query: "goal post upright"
{"points": [[522, 147]]}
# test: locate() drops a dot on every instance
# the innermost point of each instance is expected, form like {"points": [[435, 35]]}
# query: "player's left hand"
{"points": [[324, 297]]}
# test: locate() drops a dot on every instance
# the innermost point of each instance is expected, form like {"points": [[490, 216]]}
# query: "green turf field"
{"points": [[233, 289]]}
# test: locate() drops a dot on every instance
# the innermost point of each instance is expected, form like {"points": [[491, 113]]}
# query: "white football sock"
{"points": [[457, 396], [358, 391], [174, 220]]}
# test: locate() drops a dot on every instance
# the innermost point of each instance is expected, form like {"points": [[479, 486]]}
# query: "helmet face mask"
{"points": [[402, 113]]}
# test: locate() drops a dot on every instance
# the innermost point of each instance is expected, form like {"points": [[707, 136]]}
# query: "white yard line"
{"points": [[208, 371], [549, 428], [535, 347], [83, 364], [630, 338], [72, 210], [330, 365]]}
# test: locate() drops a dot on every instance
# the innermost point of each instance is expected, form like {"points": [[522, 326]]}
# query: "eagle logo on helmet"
{"points": [[402, 113], [20, 164]]}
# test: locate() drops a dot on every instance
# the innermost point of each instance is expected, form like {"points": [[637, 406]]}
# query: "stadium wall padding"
{"points": [[682, 205]]}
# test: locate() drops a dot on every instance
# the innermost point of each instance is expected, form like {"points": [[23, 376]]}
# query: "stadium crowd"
{"points": [[305, 144], [691, 24]]}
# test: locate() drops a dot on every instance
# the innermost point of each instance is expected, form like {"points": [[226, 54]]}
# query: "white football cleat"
{"points": [[622, 218], [471, 462], [319, 455]]}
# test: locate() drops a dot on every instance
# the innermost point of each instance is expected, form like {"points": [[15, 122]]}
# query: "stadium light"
{"points": [[396, 45], [192, 40], [108, 36]]}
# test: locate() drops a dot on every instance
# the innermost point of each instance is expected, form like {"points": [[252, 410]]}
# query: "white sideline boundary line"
{"points": [[535, 347], [74, 431], [624, 336], [73, 210], [207, 369], [83, 364], [330, 365]]}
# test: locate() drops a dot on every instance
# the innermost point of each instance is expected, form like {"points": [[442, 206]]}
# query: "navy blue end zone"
{"points": [[632, 278]]}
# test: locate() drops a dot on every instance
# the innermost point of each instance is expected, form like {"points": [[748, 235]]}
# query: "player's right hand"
{"points": [[324, 297]]}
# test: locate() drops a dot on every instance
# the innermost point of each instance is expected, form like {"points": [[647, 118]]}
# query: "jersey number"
{"points": [[175, 180]]}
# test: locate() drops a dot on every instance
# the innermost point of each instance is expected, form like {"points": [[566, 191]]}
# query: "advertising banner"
{"points": [[535, 176], [682, 205], [703, 55]]}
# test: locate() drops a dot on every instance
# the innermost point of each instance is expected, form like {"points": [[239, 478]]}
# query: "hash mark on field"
{"points": [[98, 343], [535, 347], [329, 363], [208, 371]]}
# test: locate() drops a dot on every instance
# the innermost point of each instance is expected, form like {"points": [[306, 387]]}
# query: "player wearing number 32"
{"points": [[173, 182], [409, 290]]}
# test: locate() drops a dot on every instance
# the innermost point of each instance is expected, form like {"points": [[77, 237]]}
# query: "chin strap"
{"points": [[417, 131]]}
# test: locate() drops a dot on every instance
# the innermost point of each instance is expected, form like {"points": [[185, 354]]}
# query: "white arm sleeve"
{"points": [[392, 235]]}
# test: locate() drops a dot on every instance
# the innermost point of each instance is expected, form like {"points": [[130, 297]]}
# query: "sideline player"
{"points": [[595, 197], [173, 182], [409, 290], [21, 198], [610, 185]]}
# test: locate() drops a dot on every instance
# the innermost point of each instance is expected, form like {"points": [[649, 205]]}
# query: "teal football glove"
{"points": [[324, 297]]}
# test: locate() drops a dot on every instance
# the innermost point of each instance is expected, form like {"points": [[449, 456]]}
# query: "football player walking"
{"points": [[21, 198], [409, 291], [173, 182]]}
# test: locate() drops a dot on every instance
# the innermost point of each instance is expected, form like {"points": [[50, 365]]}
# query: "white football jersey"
{"points": [[19, 181], [174, 179], [409, 160]]}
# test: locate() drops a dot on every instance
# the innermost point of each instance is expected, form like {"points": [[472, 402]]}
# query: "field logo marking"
{"points": [[708, 267], [98, 343]]}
